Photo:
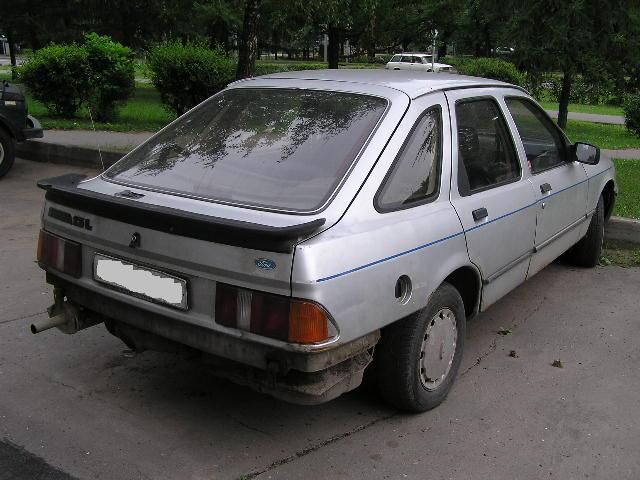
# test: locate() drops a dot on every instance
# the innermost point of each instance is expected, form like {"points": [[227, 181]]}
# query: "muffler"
{"points": [[65, 316]]}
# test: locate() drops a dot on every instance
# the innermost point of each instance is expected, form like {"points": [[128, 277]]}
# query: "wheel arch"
{"points": [[467, 281], [609, 197], [6, 126]]}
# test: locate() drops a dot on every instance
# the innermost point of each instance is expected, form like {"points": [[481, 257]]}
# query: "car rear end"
{"points": [[188, 243]]}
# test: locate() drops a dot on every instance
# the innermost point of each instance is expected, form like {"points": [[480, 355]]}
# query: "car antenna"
{"points": [[94, 129]]}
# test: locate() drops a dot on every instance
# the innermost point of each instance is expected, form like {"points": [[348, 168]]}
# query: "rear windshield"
{"points": [[274, 148]]}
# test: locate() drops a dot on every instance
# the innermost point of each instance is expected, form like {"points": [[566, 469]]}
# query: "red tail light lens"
{"points": [[59, 254], [274, 316]]}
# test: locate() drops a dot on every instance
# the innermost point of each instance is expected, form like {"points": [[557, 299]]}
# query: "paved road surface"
{"points": [[90, 413], [591, 117]]}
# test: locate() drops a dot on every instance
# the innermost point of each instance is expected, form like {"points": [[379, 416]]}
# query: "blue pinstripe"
{"points": [[406, 252]]}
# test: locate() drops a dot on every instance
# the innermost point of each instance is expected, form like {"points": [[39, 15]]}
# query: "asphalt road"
{"points": [[75, 407]]}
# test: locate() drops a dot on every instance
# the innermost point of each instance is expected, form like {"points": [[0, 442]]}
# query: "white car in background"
{"points": [[417, 62]]}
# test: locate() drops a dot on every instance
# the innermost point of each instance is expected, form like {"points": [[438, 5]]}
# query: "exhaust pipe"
{"points": [[70, 320], [47, 323]]}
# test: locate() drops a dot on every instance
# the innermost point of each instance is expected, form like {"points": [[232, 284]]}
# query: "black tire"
{"points": [[586, 253], [399, 359], [7, 152]]}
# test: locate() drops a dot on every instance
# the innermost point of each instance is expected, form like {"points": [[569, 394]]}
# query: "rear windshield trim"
{"points": [[203, 198]]}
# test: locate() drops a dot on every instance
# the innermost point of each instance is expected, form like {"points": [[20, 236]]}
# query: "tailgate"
{"points": [[199, 249]]}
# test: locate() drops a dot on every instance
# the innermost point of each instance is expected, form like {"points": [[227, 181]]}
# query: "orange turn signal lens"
{"points": [[41, 247], [308, 323]]}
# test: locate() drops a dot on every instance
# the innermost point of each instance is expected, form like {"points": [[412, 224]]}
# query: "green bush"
{"points": [[112, 75], [491, 68], [63, 77], [186, 74], [632, 113], [265, 68], [59, 77]]}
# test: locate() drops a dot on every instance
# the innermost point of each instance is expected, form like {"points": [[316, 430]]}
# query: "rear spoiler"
{"points": [[64, 191]]}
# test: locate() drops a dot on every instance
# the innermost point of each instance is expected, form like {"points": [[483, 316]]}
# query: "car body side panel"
{"points": [[352, 268], [599, 175]]}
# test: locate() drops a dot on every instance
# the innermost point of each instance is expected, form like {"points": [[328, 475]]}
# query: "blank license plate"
{"points": [[140, 281]]}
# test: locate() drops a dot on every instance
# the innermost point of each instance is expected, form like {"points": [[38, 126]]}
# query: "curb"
{"points": [[67, 154], [618, 231], [622, 232]]}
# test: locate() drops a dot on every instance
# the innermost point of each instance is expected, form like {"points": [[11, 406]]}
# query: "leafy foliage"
{"points": [[632, 113], [59, 77], [112, 74], [185, 74], [265, 68], [99, 72], [491, 68]]}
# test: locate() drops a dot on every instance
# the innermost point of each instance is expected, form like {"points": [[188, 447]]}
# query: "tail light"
{"points": [[274, 316], [59, 254]]}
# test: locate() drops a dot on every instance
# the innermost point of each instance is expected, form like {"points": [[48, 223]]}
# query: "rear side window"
{"points": [[486, 155], [273, 148], [542, 142], [414, 177]]}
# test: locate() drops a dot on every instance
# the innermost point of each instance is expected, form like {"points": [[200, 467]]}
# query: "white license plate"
{"points": [[140, 281]]}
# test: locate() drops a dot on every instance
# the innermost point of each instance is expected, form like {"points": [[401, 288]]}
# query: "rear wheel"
{"points": [[587, 252], [7, 152], [419, 356]]}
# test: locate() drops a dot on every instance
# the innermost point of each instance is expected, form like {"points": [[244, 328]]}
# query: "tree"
{"points": [[576, 37], [248, 46]]}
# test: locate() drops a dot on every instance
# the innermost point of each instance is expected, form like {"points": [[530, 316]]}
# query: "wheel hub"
{"points": [[438, 349], [1, 153]]}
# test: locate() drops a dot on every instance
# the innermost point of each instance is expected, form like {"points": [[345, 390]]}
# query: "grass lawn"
{"points": [[621, 257], [580, 108], [602, 135], [143, 112], [628, 201]]}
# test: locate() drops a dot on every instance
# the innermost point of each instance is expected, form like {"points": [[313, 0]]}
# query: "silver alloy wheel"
{"points": [[1, 153], [438, 349]]}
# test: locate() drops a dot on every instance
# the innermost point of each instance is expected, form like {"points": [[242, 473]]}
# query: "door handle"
{"points": [[545, 188], [480, 213]]}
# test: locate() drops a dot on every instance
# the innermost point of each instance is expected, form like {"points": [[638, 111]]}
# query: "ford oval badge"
{"points": [[265, 263]]}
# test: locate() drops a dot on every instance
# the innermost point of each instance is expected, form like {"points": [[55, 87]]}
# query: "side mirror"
{"points": [[585, 153]]}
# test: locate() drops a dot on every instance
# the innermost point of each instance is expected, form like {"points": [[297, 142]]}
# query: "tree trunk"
{"points": [[371, 37], [12, 52], [31, 26], [565, 93], [248, 40], [333, 47]]}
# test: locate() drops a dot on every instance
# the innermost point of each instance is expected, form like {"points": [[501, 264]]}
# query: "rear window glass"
{"points": [[273, 148]]}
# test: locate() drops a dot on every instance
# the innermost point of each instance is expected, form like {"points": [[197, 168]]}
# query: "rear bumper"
{"points": [[33, 131], [243, 351]]}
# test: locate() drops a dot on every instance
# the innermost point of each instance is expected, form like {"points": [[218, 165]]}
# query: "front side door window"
{"points": [[543, 144]]}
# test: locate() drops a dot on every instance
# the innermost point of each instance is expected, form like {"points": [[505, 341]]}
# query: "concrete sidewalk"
{"points": [[591, 117], [86, 148]]}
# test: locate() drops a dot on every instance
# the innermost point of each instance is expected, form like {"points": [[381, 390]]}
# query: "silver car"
{"points": [[298, 228]]}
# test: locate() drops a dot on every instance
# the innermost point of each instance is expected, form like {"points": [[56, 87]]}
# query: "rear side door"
{"points": [[490, 192], [560, 185]]}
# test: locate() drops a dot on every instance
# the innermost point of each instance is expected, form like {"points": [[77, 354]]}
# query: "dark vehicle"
{"points": [[16, 125]]}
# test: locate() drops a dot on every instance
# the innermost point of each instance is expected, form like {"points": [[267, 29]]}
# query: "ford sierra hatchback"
{"points": [[299, 228]]}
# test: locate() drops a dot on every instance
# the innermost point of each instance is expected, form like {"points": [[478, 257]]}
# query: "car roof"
{"points": [[412, 83]]}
